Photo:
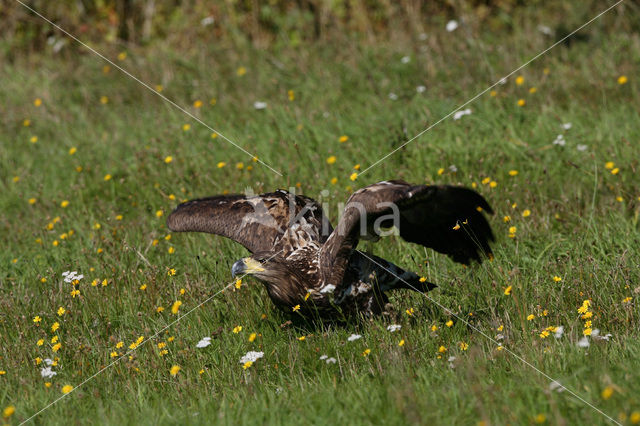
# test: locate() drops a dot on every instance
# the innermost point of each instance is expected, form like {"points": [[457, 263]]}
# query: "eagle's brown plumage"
{"points": [[303, 261]]}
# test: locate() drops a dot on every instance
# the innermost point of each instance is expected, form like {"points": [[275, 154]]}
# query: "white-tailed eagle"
{"points": [[309, 267]]}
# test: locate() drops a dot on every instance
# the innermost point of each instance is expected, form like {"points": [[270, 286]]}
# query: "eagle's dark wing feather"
{"points": [[428, 216], [264, 223]]}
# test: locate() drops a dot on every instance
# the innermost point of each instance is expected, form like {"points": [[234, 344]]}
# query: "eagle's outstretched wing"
{"points": [[263, 223], [448, 219]]}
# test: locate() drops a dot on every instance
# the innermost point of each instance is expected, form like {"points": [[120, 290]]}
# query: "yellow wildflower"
{"points": [[175, 307], [174, 370]]}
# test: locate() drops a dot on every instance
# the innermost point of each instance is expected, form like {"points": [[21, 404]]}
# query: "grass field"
{"points": [[91, 163]]}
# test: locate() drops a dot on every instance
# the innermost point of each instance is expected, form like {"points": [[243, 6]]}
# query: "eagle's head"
{"points": [[264, 267], [282, 280]]}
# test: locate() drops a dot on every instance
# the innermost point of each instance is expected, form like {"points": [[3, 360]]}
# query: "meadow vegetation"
{"points": [[92, 162]]}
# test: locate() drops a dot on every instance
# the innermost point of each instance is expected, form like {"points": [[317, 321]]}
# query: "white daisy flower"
{"points": [[459, 114], [47, 372], [582, 148], [453, 168], [559, 140], [566, 126], [327, 288], [393, 96], [545, 30], [251, 356], [421, 89], [207, 21], [259, 105], [323, 357], [583, 343], [556, 386], [452, 25], [559, 331], [394, 327], [354, 337], [331, 360], [206, 341], [405, 59]]}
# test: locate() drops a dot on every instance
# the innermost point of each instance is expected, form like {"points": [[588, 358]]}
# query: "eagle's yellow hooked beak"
{"points": [[246, 265]]}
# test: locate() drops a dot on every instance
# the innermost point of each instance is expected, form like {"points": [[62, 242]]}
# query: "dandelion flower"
{"points": [[221, 164], [252, 337], [296, 308], [449, 323], [237, 329], [366, 352], [168, 159], [33, 139], [176, 307], [73, 150], [609, 165], [442, 349], [533, 90], [507, 291], [513, 172], [40, 342], [186, 127], [401, 343], [197, 103], [291, 95], [615, 171], [530, 317], [174, 370], [343, 138], [241, 71], [607, 392], [238, 284], [519, 80], [64, 204], [353, 176], [463, 346], [526, 213], [410, 312], [159, 213], [622, 79], [521, 102], [171, 272]]}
